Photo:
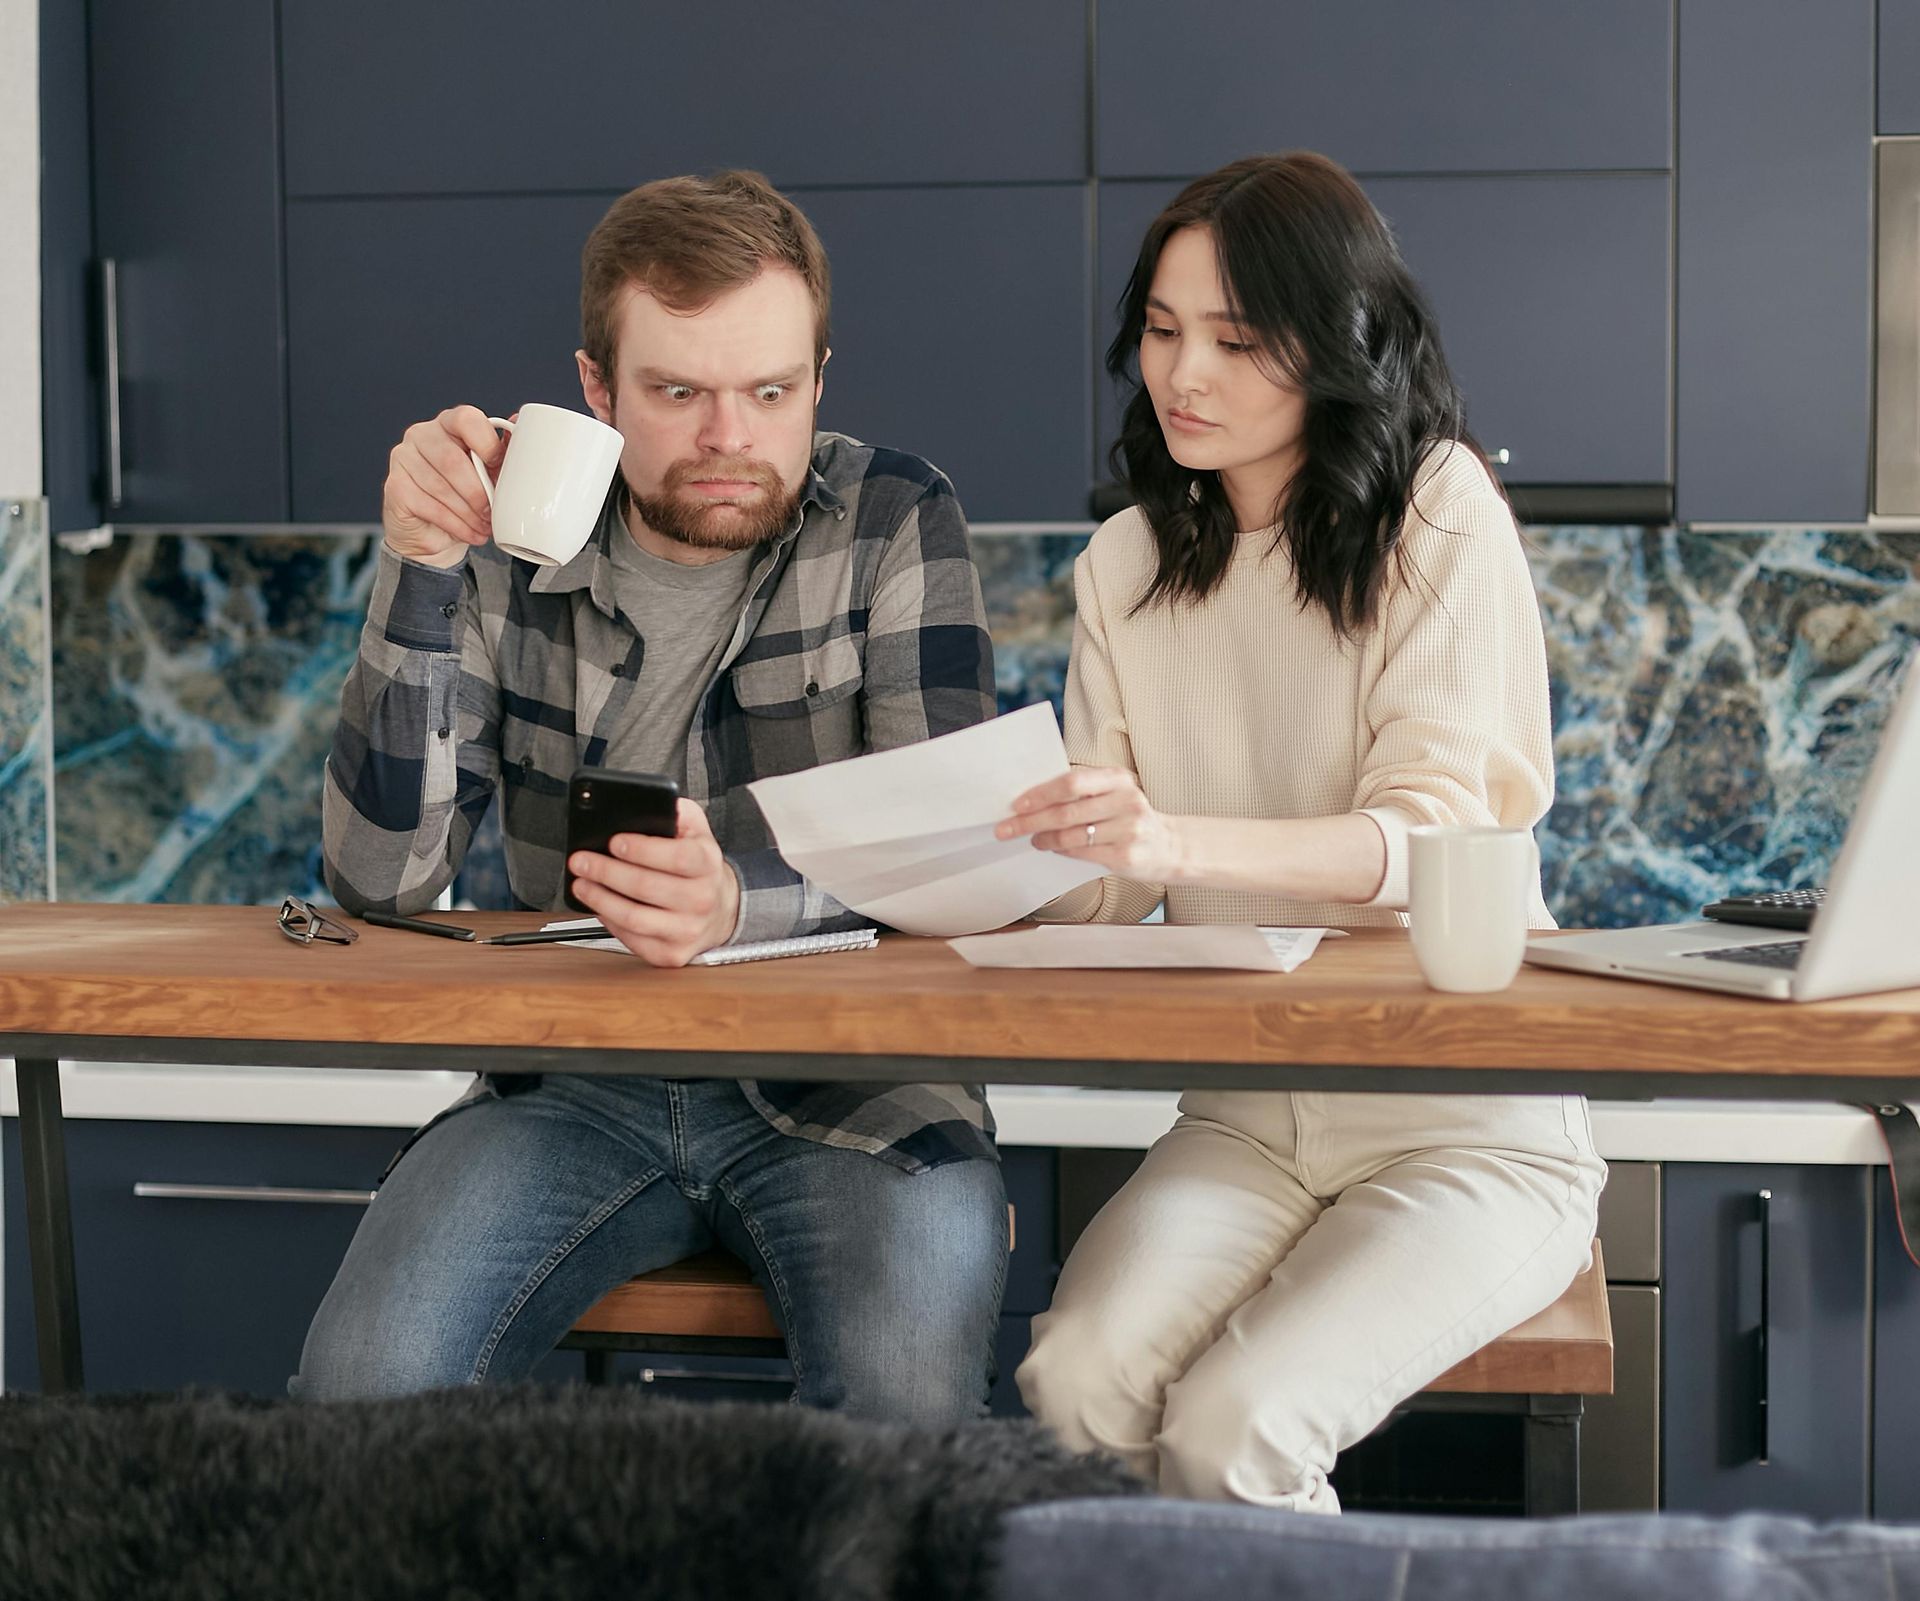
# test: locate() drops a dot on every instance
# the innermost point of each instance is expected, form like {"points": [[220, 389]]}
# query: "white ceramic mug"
{"points": [[552, 484], [1468, 893]]}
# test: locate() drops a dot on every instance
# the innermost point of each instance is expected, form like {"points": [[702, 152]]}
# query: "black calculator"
{"points": [[1783, 908]]}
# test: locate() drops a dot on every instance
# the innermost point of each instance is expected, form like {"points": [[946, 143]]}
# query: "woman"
{"points": [[1315, 630]]}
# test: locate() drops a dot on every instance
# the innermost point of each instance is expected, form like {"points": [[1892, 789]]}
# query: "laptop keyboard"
{"points": [[1783, 954]]}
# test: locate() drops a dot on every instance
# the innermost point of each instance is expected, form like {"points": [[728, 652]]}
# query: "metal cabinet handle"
{"points": [[1762, 1337], [110, 346], [147, 1190]]}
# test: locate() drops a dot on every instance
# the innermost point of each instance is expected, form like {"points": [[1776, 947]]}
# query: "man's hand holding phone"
{"points": [[666, 899]]}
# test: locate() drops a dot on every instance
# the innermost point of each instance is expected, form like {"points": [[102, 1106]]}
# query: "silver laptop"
{"points": [[1866, 936]]}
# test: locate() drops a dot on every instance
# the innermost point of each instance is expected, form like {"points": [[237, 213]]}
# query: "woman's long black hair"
{"points": [[1312, 273]]}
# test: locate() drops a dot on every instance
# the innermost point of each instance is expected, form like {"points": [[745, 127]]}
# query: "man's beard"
{"points": [[718, 525]]}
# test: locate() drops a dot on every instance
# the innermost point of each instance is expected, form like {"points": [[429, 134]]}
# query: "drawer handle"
{"points": [[147, 1190], [1763, 1336], [115, 486]]}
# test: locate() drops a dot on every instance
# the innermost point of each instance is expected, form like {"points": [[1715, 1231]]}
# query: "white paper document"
{"points": [[1237, 945], [906, 836]]}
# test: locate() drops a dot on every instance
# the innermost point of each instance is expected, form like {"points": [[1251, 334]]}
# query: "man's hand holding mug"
{"points": [[452, 483]]}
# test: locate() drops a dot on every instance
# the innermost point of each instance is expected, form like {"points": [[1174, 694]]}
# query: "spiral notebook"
{"points": [[858, 939], [582, 933]]}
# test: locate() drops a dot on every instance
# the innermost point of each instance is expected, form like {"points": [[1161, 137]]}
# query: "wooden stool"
{"points": [[1541, 1370], [707, 1305]]}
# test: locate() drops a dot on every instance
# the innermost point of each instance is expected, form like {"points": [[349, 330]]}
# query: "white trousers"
{"points": [[1285, 1269]]}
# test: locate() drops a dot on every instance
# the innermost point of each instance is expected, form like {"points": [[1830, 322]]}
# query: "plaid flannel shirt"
{"points": [[863, 630]]}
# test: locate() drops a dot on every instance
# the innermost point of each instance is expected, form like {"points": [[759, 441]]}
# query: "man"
{"points": [[758, 598]]}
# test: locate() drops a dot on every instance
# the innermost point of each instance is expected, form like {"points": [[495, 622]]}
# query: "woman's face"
{"points": [[1218, 408]]}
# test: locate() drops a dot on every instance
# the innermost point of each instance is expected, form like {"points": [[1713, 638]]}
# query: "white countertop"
{"points": [[1673, 1130]]}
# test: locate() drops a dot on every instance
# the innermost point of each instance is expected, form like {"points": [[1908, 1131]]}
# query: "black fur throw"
{"points": [[505, 1493]]}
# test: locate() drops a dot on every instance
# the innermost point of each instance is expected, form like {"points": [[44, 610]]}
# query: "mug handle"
{"points": [[480, 466]]}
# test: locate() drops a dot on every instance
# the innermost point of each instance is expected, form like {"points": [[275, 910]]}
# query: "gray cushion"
{"points": [[1159, 1550]]}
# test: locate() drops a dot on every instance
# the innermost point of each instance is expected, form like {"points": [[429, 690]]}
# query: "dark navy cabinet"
{"points": [[1899, 66], [960, 334], [959, 330], [471, 96], [193, 1291], [186, 206], [1033, 1178], [1551, 292], [1766, 1371], [1385, 85], [398, 309], [1648, 236], [1896, 1365], [1773, 297]]}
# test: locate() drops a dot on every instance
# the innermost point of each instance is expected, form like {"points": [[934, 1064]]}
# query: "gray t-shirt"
{"points": [[687, 616]]}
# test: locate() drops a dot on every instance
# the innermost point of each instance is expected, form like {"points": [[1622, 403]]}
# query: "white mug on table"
{"points": [[552, 484], [1468, 894]]}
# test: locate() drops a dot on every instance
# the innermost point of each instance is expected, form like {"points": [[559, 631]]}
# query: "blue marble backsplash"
{"points": [[26, 741], [1717, 698]]}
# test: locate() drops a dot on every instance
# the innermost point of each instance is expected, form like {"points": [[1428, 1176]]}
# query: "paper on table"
{"points": [[1239, 945], [905, 836]]}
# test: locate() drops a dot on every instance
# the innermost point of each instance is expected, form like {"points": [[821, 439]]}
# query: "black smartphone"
{"points": [[602, 803]]}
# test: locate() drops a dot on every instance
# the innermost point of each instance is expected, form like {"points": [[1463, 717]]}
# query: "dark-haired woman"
{"points": [[1314, 631]]}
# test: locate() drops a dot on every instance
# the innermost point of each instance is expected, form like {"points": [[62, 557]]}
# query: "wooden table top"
{"points": [[226, 973]]}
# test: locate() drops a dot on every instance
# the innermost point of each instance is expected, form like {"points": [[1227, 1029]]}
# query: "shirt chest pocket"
{"points": [[801, 685]]}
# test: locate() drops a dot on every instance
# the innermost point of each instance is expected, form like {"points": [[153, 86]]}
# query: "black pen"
{"points": [[418, 925], [545, 936]]}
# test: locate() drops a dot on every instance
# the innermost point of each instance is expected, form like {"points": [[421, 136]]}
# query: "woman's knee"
{"points": [[1219, 1441], [1087, 1387]]}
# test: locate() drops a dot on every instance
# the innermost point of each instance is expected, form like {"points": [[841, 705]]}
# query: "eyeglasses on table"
{"points": [[303, 923]]}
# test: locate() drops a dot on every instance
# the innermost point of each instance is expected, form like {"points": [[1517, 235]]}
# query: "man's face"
{"points": [[717, 408]]}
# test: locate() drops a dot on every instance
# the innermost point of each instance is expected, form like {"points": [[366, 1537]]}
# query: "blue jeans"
{"points": [[509, 1216]]}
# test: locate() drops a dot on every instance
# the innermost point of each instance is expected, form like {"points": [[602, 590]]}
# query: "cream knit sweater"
{"points": [[1250, 706]]}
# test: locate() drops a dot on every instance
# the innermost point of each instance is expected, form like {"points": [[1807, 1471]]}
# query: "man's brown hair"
{"points": [[687, 240]]}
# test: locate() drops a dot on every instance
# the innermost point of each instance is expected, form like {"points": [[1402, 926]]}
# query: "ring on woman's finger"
{"points": [[1090, 829]]}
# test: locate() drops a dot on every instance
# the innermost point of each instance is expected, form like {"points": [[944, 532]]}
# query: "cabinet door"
{"points": [[1899, 66], [178, 1291], [1773, 317], [494, 95], [1551, 293], [187, 205], [69, 294], [1896, 1365], [1385, 85], [397, 309], [1765, 1369], [960, 334], [959, 331]]}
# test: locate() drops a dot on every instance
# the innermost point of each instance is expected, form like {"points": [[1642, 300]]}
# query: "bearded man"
{"points": [[758, 598]]}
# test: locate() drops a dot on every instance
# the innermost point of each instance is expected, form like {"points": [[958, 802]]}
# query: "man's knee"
{"points": [[912, 1365], [358, 1352]]}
